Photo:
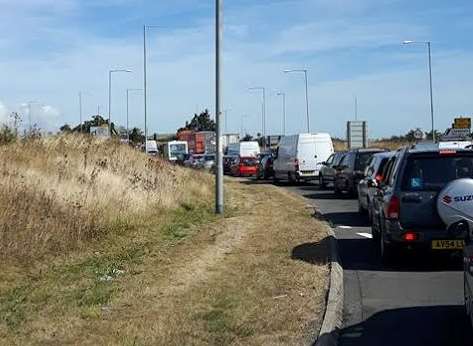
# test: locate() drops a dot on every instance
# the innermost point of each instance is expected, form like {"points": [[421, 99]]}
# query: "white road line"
{"points": [[366, 235], [344, 227]]}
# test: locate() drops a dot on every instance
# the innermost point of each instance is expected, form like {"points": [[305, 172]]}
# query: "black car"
{"points": [[265, 167], [351, 169], [328, 171], [406, 214], [227, 163], [372, 178]]}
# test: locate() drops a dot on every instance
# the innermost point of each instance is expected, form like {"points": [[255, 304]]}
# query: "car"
{"points": [[206, 162], [298, 157], [327, 170], [227, 163], [409, 204], [351, 168], [368, 186], [265, 167], [193, 160], [244, 166]]}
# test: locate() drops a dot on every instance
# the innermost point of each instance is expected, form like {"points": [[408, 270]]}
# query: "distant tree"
{"points": [[200, 122], [65, 128], [7, 135], [247, 138], [428, 135], [136, 136]]}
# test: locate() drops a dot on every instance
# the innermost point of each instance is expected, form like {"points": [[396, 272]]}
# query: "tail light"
{"points": [[393, 208], [379, 178], [410, 236]]}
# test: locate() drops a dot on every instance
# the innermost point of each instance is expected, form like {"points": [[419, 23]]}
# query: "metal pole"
{"points": [[264, 118], [356, 108], [307, 100], [284, 114], [219, 203], [127, 116], [80, 112], [110, 103], [431, 93], [145, 84]]}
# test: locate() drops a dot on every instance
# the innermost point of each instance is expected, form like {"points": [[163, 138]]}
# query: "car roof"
{"points": [[384, 154], [430, 147]]}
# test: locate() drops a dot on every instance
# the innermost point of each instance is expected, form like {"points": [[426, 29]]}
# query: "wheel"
{"points": [[374, 228], [322, 183], [290, 178], [361, 210], [387, 250], [275, 178]]}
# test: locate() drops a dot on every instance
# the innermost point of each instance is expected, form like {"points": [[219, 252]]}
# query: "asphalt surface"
{"points": [[418, 301]]}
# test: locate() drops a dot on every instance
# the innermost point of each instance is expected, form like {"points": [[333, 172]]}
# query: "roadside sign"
{"points": [[357, 134], [457, 135], [462, 123]]}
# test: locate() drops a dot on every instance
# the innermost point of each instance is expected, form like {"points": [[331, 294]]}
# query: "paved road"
{"points": [[418, 302]]}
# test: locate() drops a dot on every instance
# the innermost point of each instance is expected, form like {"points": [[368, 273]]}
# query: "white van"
{"points": [[244, 149], [299, 157]]}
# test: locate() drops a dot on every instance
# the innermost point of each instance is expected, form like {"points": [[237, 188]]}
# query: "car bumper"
{"points": [[425, 237]]}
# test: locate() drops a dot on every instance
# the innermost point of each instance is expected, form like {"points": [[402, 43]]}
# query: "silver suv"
{"points": [[405, 205]]}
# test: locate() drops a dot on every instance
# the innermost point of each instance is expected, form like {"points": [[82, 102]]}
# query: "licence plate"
{"points": [[448, 244]]}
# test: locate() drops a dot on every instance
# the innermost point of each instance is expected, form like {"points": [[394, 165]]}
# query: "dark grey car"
{"points": [[328, 171], [373, 176], [405, 207], [351, 169]]}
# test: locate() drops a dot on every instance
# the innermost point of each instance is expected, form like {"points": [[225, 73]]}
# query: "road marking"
{"points": [[344, 227], [366, 235]]}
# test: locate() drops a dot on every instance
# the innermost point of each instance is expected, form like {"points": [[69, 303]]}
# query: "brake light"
{"points": [[410, 236], [447, 152], [379, 178], [394, 208]]}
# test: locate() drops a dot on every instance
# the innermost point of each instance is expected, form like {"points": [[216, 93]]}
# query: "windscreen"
{"points": [[178, 148], [433, 173], [247, 161]]}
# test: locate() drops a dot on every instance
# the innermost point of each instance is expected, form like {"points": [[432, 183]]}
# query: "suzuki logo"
{"points": [[447, 199]]}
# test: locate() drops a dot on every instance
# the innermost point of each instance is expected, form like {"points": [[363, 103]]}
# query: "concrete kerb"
{"points": [[333, 319]]}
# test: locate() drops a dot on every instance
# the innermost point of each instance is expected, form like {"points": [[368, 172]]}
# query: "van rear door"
{"points": [[307, 154]]}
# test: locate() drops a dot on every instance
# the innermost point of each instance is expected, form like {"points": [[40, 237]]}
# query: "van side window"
{"points": [[387, 171]]}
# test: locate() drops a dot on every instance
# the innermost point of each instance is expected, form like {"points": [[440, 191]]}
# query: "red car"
{"points": [[244, 166]]}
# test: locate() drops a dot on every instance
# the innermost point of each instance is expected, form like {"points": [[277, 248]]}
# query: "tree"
{"points": [[247, 138], [200, 122], [65, 128], [136, 136]]}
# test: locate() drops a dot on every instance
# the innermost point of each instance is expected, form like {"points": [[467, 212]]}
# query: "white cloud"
{"points": [[4, 113]]}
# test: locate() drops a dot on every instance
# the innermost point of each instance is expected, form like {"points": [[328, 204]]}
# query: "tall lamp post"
{"points": [[145, 76], [263, 112], [283, 95], [306, 93], [110, 97], [428, 44], [219, 207], [128, 112]]}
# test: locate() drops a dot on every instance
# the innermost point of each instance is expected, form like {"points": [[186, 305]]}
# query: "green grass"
{"points": [[91, 282]]}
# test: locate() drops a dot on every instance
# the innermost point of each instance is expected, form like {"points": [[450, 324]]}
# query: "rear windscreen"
{"points": [[362, 161], [249, 162], [433, 173]]}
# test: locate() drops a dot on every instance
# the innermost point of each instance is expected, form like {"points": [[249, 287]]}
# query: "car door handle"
{"points": [[412, 199]]}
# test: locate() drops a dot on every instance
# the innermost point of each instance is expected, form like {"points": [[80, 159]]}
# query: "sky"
{"points": [[54, 49]]}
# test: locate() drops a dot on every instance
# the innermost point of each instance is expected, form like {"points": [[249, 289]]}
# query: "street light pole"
{"points": [[219, 203], [283, 112], [263, 113], [145, 77], [305, 71], [428, 44], [80, 111], [110, 97], [128, 111]]}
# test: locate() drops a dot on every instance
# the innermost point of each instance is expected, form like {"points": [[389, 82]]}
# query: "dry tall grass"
{"points": [[61, 192]]}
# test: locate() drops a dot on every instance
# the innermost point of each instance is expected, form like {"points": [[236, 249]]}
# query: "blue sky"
{"points": [[52, 49]]}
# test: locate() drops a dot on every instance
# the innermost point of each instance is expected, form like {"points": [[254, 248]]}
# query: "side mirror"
{"points": [[324, 163]]}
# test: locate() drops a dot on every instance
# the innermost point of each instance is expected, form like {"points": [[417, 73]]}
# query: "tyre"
{"points": [[322, 183], [387, 250]]}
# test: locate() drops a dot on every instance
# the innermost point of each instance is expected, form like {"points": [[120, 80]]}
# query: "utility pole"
{"points": [[219, 200]]}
